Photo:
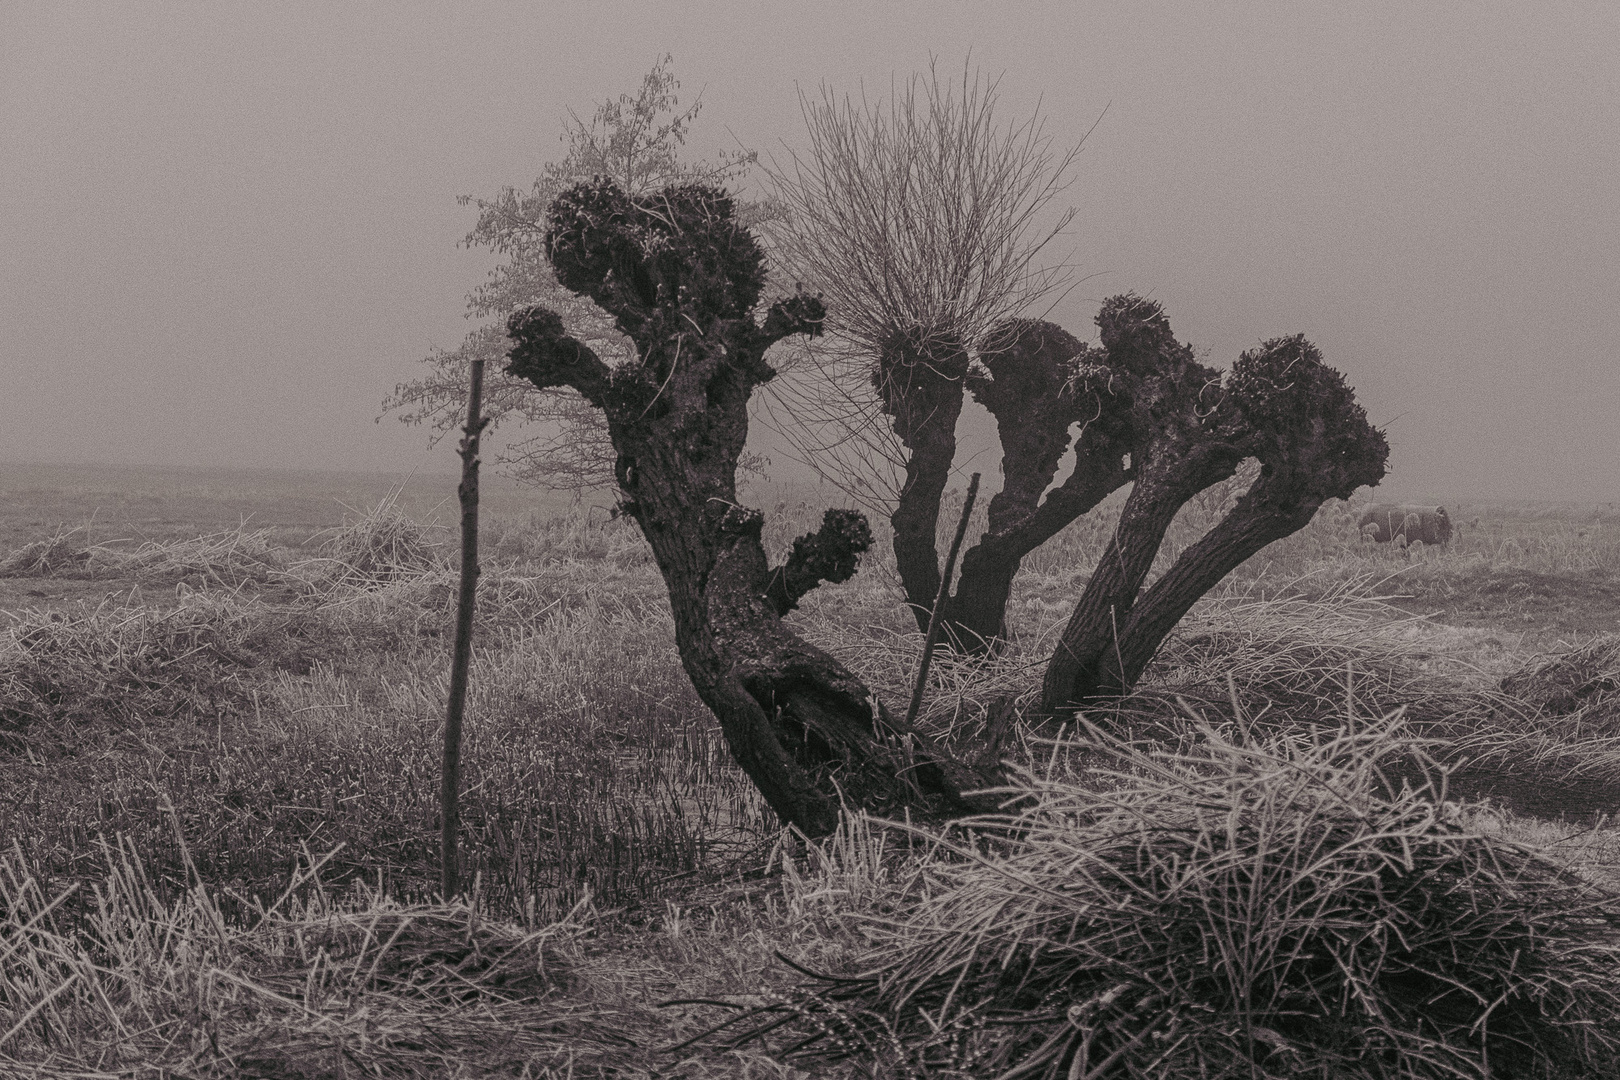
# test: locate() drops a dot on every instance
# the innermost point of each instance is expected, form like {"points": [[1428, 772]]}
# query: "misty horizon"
{"points": [[231, 233]]}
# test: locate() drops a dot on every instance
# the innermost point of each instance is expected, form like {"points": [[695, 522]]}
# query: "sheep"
{"points": [[1385, 522]]}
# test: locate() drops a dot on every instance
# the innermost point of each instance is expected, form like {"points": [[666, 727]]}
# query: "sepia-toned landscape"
{"points": [[910, 541], [221, 705]]}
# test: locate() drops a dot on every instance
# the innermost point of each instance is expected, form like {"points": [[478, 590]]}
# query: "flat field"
{"points": [[220, 706]]}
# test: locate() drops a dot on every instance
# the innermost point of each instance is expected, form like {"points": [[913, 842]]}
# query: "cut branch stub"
{"points": [[681, 278], [828, 554], [1029, 386], [547, 356], [679, 253]]}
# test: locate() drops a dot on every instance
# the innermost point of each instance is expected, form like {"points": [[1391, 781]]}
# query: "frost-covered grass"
{"points": [[233, 708]]}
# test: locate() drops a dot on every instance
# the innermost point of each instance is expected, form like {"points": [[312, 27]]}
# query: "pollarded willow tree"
{"points": [[634, 139], [682, 278], [919, 221], [1140, 409], [1185, 427]]}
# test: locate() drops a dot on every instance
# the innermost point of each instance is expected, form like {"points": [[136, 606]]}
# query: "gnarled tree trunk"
{"points": [[921, 390], [1280, 404], [681, 278]]}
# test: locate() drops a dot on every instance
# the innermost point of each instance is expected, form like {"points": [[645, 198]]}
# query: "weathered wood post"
{"points": [[461, 661], [931, 638]]}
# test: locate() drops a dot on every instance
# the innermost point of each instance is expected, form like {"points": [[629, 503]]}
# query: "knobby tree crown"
{"points": [[556, 440], [682, 279]]}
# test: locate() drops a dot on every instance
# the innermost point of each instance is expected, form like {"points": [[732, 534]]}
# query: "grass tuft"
{"points": [[1586, 678], [63, 553], [382, 546], [314, 985], [1267, 908], [228, 558]]}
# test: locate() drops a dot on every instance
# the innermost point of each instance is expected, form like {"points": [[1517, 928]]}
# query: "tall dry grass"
{"points": [[308, 712], [313, 983], [262, 702]]}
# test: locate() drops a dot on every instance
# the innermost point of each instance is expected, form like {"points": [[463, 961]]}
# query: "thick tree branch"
{"points": [[1040, 382], [831, 553], [1294, 413], [1191, 440], [543, 353]]}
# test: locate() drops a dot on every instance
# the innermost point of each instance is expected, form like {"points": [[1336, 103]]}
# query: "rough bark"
{"points": [[931, 637], [681, 277], [1280, 404], [1314, 443], [921, 388], [1039, 382], [831, 553], [1258, 519]]}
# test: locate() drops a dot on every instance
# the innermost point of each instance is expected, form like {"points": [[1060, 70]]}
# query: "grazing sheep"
{"points": [[1385, 522]]}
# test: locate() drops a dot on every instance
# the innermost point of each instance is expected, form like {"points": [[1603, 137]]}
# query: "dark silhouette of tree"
{"points": [[920, 219], [1040, 384], [682, 278], [1187, 428], [564, 445]]}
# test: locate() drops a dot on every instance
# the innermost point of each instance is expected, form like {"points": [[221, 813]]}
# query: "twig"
{"points": [[932, 637]]}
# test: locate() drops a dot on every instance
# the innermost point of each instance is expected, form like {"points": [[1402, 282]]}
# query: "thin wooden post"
{"points": [[932, 637], [461, 662]]}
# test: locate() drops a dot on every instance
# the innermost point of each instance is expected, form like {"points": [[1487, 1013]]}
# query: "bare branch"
{"points": [[919, 216]]}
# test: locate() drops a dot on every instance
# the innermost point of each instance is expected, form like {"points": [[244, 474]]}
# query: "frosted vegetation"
{"points": [[1347, 819], [221, 819]]}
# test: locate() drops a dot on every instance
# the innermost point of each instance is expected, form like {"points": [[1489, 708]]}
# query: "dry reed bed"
{"points": [[593, 769]]}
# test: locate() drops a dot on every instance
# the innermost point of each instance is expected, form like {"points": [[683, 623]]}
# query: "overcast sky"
{"points": [[226, 231]]}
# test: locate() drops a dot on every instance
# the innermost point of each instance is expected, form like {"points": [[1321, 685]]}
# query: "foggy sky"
{"points": [[227, 231]]}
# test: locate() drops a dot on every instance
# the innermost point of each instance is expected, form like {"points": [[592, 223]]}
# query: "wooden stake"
{"points": [[461, 662], [932, 637]]}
